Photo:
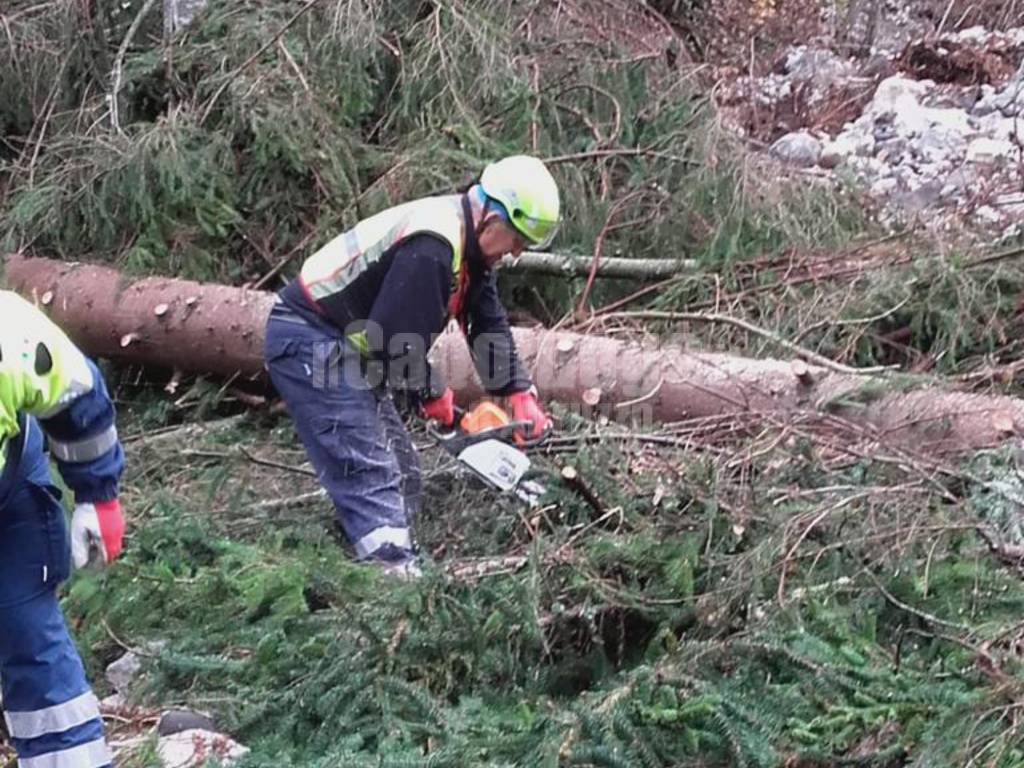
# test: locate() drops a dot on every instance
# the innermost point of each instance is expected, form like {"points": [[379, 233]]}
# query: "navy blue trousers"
{"points": [[52, 715], [352, 433]]}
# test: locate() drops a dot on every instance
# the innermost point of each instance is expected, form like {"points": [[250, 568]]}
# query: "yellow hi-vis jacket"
{"points": [[42, 373]]}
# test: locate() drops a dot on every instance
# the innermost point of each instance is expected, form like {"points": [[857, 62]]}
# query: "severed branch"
{"points": [[598, 245], [575, 481], [571, 265], [276, 464]]}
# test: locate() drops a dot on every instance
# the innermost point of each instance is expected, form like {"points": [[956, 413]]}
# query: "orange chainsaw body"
{"points": [[484, 415]]}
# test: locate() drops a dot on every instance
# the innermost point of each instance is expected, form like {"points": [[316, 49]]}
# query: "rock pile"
{"points": [[183, 738], [939, 137]]}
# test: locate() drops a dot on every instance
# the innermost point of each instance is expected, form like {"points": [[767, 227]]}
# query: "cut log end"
{"points": [[802, 372], [1004, 424], [172, 386], [564, 351]]}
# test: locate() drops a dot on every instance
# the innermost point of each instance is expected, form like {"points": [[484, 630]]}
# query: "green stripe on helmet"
{"points": [[529, 193]]}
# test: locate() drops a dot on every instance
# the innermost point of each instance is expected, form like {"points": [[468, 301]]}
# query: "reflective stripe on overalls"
{"points": [[52, 715]]}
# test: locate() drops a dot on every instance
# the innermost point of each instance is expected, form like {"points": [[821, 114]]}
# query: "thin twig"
{"points": [[115, 119], [643, 398], [294, 501], [1001, 256], [295, 67], [185, 433], [930, 618], [781, 592], [51, 103], [276, 464], [598, 245], [945, 18], [701, 317], [854, 321], [241, 67], [596, 154]]}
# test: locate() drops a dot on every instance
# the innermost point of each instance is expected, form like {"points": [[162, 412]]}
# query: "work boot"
{"points": [[406, 570], [398, 562]]}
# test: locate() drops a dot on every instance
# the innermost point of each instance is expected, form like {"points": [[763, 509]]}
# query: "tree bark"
{"points": [[211, 328], [178, 324]]}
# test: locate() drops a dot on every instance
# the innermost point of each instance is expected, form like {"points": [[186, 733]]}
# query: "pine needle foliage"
{"points": [[237, 145], [746, 600], [656, 640]]}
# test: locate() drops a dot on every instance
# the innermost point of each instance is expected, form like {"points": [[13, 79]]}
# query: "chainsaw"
{"points": [[485, 440]]}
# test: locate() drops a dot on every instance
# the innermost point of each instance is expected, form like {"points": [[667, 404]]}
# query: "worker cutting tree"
{"points": [[356, 325], [47, 384]]}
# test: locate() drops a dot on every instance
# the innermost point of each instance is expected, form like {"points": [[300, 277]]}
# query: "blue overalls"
{"points": [[352, 433], [52, 715]]}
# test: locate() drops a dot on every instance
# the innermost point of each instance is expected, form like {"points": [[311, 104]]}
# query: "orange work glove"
{"points": [[525, 407], [441, 409]]}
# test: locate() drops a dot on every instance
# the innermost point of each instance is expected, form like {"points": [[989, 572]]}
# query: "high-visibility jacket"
{"points": [[43, 374], [418, 260], [341, 279]]}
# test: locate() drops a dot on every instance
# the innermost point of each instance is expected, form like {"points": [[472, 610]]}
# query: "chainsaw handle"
{"points": [[434, 430], [432, 425], [535, 442], [505, 433]]}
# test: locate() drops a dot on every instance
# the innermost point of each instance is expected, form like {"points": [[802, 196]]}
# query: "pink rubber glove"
{"points": [[526, 407], [441, 409]]}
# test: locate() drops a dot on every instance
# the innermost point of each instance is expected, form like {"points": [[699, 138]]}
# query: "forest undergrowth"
{"points": [[736, 592]]}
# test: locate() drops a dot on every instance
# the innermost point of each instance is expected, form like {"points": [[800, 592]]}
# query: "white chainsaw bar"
{"points": [[490, 457], [502, 466]]}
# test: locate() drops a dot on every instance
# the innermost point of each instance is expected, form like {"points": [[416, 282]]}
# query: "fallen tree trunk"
{"points": [[569, 264], [156, 321], [211, 328]]}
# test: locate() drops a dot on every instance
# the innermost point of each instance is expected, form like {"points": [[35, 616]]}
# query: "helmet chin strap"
{"points": [[489, 213], [479, 208], [484, 206]]}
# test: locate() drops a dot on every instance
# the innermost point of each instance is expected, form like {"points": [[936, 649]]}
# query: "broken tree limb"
{"points": [[214, 328], [578, 266]]}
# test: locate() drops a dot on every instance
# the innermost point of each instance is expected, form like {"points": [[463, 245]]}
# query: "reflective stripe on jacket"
{"points": [[329, 274]]}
